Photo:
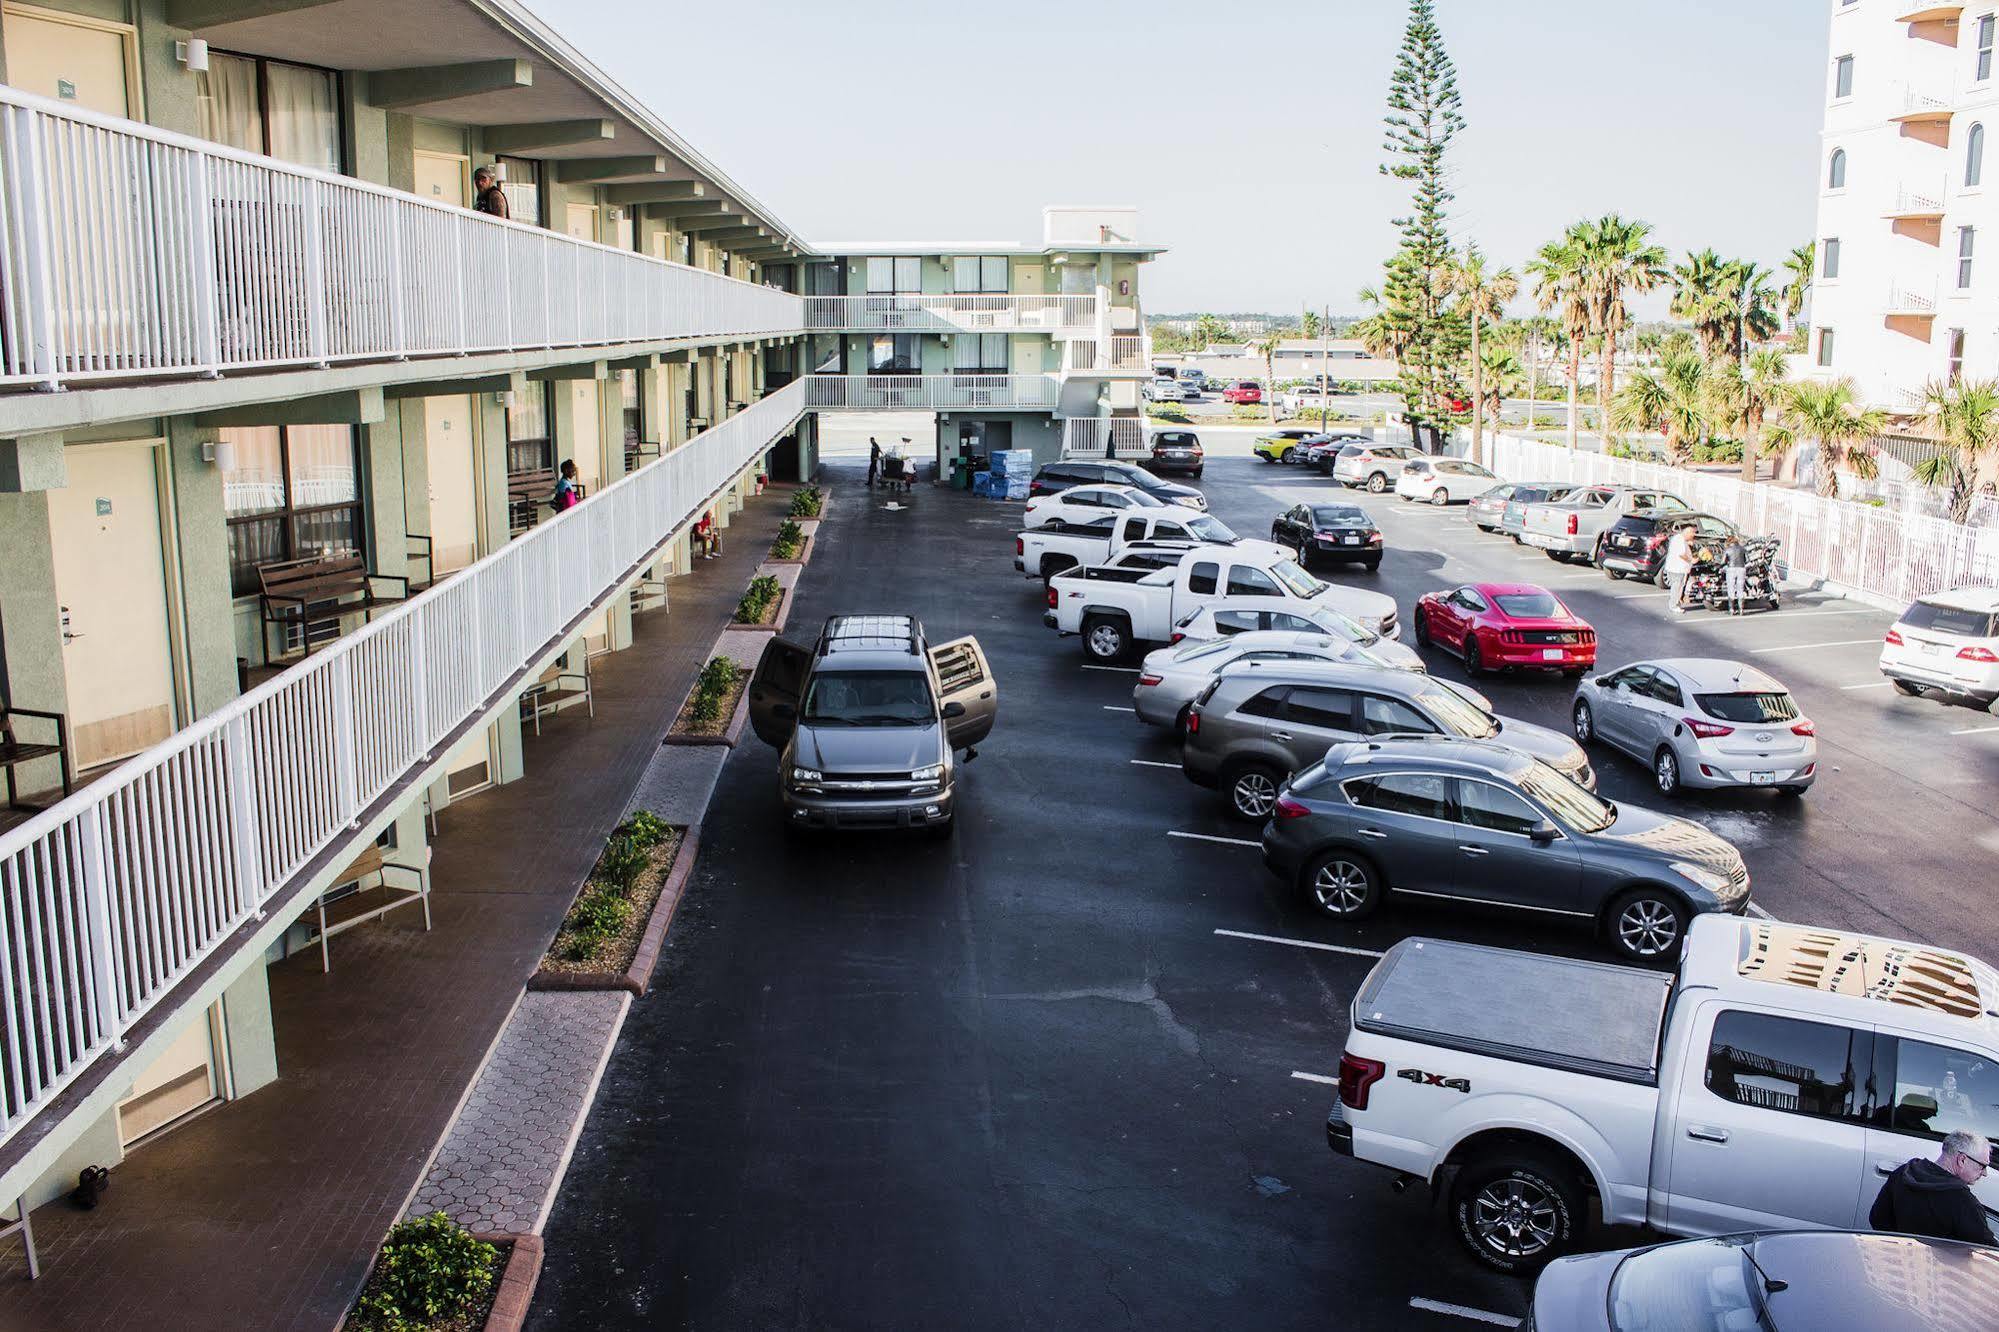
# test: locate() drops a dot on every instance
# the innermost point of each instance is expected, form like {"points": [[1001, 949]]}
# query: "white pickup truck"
{"points": [[1573, 526], [1044, 551], [1773, 1083], [1115, 609]]}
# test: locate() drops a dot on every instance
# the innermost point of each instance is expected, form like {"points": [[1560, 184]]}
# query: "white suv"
{"points": [[1948, 642]]}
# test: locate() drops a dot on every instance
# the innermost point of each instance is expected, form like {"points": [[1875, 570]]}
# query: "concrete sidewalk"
{"points": [[265, 1212]]}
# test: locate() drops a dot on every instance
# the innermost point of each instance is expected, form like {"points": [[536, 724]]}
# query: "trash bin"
{"points": [[961, 473]]}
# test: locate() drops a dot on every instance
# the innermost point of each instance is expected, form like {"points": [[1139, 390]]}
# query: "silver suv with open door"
{"points": [[868, 722]]}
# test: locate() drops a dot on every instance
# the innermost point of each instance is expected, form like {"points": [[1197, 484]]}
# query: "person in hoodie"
{"points": [[1934, 1197]]}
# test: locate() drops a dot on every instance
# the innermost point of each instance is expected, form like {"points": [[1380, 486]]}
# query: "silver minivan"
{"points": [[1261, 721]]}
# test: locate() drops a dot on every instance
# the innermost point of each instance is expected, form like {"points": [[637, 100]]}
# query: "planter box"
{"points": [[804, 555], [517, 1282], [729, 734], [776, 624], [638, 973]]}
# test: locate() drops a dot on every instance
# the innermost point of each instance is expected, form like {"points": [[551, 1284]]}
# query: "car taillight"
{"points": [[1976, 654], [1149, 680], [1374, 539], [1193, 722], [1893, 639], [1656, 540], [1019, 546], [1572, 524], [1706, 730], [1804, 727], [1287, 808], [1177, 636], [1356, 1076], [1053, 596]]}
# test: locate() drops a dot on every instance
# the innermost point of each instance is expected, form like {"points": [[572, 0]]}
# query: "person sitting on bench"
{"points": [[707, 537]]}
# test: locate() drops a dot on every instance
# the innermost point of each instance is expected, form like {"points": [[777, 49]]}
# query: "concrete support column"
{"points": [[489, 420], [207, 605], [31, 622], [413, 455]]}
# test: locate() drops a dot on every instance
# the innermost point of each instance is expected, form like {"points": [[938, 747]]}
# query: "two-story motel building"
{"points": [[251, 332]]}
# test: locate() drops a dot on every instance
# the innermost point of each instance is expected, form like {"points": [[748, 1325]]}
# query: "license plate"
{"points": [[1536, 539], [1762, 778], [1351, 541], [1934, 649], [1551, 654]]}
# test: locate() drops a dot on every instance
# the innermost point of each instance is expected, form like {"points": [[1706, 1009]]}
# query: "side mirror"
{"points": [[1601, 681], [1543, 833], [783, 712], [953, 710]]}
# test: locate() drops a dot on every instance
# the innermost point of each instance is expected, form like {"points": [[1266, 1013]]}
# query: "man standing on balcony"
{"points": [[488, 197]]}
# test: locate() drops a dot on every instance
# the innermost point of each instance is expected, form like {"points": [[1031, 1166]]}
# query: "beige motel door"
{"points": [[110, 568], [453, 482], [444, 178], [82, 61]]}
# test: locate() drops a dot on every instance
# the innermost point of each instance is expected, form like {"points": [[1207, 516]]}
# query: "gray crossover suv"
{"points": [[1261, 721], [1467, 821], [867, 720]]}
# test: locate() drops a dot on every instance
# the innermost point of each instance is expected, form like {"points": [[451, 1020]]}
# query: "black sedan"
{"points": [[1175, 451], [1340, 532], [1635, 547]]}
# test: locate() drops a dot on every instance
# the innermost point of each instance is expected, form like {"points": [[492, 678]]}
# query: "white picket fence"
{"points": [[1885, 556], [111, 897]]}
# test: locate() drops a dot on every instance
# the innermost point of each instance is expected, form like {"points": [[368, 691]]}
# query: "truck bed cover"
{"points": [[1558, 1012]]}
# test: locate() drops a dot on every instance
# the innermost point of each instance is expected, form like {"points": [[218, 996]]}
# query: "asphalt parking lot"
{"points": [[1071, 1068]]}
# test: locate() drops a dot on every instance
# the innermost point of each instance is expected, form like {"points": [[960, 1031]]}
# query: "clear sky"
{"points": [[1248, 134]]}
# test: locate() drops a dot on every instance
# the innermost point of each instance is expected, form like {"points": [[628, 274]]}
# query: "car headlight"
{"points": [[1712, 880], [933, 773], [807, 775]]}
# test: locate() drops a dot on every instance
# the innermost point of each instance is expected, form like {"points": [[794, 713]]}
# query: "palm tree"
{"points": [[1559, 285], [1964, 421], [1700, 296], [1617, 258], [1377, 332], [1762, 380], [1800, 264], [1266, 347], [1482, 298], [1497, 378], [1750, 317], [1828, 413], [1677, 400]]}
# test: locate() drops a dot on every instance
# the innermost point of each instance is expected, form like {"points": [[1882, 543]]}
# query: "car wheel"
{"points": [[1666, 771], [1647, 924], [1105, 639], [1908, 690], [941, 832], [1614, 575], [1197, 474], [1791, 792], [1574, 672], [1585, 722], [1422, 629], [1662, 578], [1377, 483], [1558, 556], [1440, 497], [1516, 1210], [1180, 719], [1474, 660], [1342, 885], [1252, 789], [1372, 565]]}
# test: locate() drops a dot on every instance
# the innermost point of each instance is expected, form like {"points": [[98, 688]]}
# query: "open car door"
{"points": [[777, 684], [964, 678]]}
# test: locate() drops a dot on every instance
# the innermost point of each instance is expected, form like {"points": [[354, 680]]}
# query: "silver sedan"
{"points": [[1172, 677], [1701, 722]]}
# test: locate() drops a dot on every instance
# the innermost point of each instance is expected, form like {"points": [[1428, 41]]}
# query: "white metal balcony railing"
{"points": [[1917, 203], [1119, 352], [130, 251], [951, 312], [112, 896], [1927, 100], [1905, 300], [932, 392], [1103, 437]]}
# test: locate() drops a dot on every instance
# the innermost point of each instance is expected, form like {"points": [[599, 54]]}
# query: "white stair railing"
{"points": [[950, 312], [932, 392], [111, 897]]}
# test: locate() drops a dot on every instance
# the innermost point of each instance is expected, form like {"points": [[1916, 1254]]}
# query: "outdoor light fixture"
{"points": [[193, 53], [504, 397]]}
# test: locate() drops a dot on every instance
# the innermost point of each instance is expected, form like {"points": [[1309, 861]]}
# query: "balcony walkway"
{"points": [[265, 1211]]}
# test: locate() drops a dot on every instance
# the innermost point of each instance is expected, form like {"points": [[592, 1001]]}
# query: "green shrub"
{"points": [[805, 503], [621, 863], [1718, 451], [763, 593], [1249, 411], [430, 1269], [647, 829], [790, 536], [711, 690], [1167, 411], [598, 916]]}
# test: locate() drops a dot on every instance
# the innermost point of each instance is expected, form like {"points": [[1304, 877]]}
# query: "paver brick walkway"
{"points": [[265, 1212]]}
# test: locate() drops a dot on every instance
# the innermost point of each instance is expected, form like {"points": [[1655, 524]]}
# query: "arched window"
{"points": [[1835, 175], [1974, 155]]}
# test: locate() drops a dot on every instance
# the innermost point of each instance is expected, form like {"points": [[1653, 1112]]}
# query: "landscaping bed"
{"points": [[601, 936], [714, 709], [432, 1274], [793, 544], [807, 502], [762, 606]]}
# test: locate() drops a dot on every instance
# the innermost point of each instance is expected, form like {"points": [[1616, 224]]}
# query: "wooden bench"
{"points": [[337, 913], [558, 686], [311, 596], [15, 751], [528, 494]]}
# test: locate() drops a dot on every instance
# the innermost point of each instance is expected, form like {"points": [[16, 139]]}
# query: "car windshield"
{"points": [[1569, 802], [1345, 626], [869, 698], [1951, 620], [1207, 647], [1529, 605], [1749, 708], [1458, 715], [1212, 529], [1335, 515], [1295, 580], [1699, 1286]]}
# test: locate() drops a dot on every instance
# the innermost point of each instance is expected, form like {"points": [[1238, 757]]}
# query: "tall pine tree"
{"points": [[1422, 120]]}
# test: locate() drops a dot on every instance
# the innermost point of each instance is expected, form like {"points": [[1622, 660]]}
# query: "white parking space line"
{"points": [[1877, 684], [1210, 837], [1640, 596], [1801, 647], [1759, 912], [1111, 708], [1462, 1311], [1155, 763], [1299, 943], [1314, 1077], [1975, 730], [1131, 670]]}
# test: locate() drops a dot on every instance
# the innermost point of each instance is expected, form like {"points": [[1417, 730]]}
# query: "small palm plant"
{"points": [[1267, 347], [1964, 421], [1482, 296], [1828, 414]]}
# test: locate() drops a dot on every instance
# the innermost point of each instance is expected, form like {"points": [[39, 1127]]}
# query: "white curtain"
{"points": [[305, 116], [226, 96]]}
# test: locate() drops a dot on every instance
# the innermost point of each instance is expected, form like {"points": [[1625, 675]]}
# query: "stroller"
{"points": [[1707, 583]]}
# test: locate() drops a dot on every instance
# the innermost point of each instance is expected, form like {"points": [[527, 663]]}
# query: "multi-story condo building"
{"points": [[1906, 227], [255, 344]]}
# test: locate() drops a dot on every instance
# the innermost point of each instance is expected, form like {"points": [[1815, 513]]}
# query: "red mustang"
{"points": [[1497, 625]]}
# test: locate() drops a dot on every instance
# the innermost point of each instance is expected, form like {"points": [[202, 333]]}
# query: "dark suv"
{"points": [[1059, 476], [1635, 545], [867, 720], [1471, 821], [1176, 451]]}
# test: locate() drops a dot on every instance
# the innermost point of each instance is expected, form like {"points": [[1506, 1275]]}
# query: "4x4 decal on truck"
{"points": [[1422, 1079]]}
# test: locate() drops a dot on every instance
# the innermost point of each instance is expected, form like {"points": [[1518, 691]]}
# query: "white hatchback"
{"points": [[1239, 615], [1700, 722], [1948, 642], [1081, 504], [1443, 480]]}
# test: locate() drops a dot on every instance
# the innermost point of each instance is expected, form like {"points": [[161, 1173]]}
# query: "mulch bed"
{"points": [[472, 1319], [615, 955], [773, 616], [684, 724]]}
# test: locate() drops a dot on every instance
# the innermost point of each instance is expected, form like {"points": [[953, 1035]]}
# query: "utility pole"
{"points": [[1325, 362]]}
